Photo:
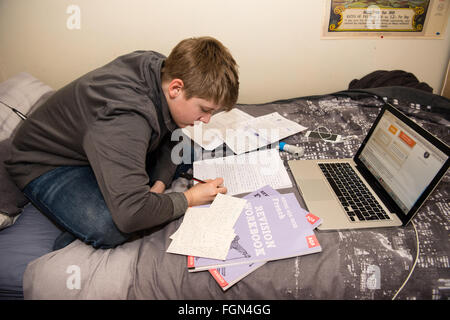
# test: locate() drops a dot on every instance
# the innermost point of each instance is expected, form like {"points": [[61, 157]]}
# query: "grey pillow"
{"points": [[12, 199], [21, 92]]}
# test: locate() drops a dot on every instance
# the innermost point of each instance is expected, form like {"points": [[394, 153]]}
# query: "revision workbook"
{"points": [[229, 275], [269, 228]]}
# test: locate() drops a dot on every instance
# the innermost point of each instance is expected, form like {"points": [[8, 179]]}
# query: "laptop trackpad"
{"points": [[316, 190]]}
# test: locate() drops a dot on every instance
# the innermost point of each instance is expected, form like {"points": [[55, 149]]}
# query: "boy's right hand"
{"points": [[203, 193]]}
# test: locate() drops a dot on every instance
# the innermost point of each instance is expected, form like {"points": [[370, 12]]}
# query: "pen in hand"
{"points": [[204, 192], [190, 177]]}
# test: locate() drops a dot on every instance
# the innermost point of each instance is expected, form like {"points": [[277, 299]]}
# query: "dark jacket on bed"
{"points": [[113, 119]]}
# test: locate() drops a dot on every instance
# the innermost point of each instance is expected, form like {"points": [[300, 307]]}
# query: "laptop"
{"points": [[393, 172]]}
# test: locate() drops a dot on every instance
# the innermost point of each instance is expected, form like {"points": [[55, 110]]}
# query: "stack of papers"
{"points": [[269, 226], [242, 132], [272, 226], [208, 231]]}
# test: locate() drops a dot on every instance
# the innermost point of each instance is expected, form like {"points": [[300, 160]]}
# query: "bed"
{"points": [[357, 264]]}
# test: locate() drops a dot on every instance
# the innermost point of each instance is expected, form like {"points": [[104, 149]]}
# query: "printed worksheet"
{"points": [[259, 132], [211, 135]]}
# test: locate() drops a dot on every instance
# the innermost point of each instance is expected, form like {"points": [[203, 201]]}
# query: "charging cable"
{"points": [[19, 114], [323, 135], [414, 265]]}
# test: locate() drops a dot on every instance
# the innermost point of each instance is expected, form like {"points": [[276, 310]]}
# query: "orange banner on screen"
{"points": [[410, 142], [392, 129]]}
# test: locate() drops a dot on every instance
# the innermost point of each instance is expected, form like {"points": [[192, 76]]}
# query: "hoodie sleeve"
{"points": [[116, 147]]}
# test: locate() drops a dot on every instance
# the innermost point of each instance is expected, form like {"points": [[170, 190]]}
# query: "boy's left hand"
{"points": [[158, 187]]}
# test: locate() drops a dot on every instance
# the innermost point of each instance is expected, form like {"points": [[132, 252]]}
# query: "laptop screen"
{"points": [[402, 160]]}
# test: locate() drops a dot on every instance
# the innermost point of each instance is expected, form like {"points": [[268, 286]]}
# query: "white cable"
{"points": [[328, 131], [414, 265]]}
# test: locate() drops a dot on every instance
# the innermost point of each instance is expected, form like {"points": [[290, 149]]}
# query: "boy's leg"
{"points": [[70, 196], [63, 240]]}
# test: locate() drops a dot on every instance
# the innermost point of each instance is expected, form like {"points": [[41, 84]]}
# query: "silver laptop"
{"points": [[393, 172]]}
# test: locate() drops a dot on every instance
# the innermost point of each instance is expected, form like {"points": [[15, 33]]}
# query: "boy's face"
{"points": [[185, 112]]}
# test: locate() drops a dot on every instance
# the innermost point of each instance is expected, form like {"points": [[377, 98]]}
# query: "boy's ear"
{"points": [[175, 88]]}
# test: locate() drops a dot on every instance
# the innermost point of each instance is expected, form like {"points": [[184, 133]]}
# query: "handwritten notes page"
{"points": [[246, 172], [208, 231]]}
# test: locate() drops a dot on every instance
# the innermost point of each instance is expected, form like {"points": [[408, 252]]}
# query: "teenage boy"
{"points": [[96, 157]]}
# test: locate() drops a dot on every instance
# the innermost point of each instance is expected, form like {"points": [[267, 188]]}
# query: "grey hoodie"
{"points": [[113, 119]]}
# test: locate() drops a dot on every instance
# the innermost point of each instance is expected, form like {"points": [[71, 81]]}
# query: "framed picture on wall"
{"points": [[385, 18]]}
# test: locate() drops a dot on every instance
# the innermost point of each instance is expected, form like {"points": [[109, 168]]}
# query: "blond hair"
{"points": [[207, 70]]}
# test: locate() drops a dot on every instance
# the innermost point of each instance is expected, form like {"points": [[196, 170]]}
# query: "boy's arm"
{"points": [[116, 148], [158, 187]]}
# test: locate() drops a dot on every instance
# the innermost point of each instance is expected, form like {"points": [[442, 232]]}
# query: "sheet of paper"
{"points": [[198, 234], [201, 244], [258, 132], [275, 122], [211, 135], [246, 172], [244, 138], [190, 218], [208, 232], [227, 209]]}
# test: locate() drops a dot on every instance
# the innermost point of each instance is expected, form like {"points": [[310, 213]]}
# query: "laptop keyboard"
{"points": [[358, 202]]}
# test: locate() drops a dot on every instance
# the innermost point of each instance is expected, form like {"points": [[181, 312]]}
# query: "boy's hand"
{"points": [[158, 187], [203, 193]]}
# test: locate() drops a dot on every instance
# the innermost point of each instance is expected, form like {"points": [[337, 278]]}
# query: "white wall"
{"points": [[276, 42]]}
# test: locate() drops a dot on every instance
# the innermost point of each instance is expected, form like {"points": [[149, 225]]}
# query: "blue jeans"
{"points": [[70, 196]]}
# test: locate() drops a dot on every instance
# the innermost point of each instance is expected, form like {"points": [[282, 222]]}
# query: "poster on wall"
{"points": [[385, 18]]}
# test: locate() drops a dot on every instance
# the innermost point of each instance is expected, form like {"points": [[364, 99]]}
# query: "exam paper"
{"points": [[275, 121], [208, 232], [211, 135], [246, 172], [259, 132]]}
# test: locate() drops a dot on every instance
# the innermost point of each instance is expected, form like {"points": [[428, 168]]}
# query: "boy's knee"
{"points": [[109, 241], [107, 237]]}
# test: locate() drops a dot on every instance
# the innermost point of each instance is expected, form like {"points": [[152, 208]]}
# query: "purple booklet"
{"points": [[228, 276], [269, 228]]}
